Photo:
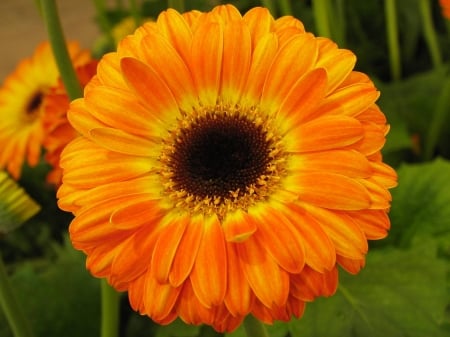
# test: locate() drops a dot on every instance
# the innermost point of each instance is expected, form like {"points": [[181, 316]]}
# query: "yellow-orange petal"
{"points": [[236, 61], [256, 264], [303, 98], [211, 264], [347, 237], [159, 299], [259, 22], [310, 284], [140, 213], [275, 231], [206, 59], [238, 298], [329, 190], [238, 227], [186, 253], [325, 133], [166, 246], [320, 253], [352, 266], [287, 68], [374, 223], [151, 89]]}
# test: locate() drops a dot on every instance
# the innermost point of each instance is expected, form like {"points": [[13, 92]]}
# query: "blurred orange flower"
{"points": [[21, 109], [227, 165], [57, 130], [445, 7]]}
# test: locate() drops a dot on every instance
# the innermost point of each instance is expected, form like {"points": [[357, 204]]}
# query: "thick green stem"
{"points": [[321, 19], [285, 7], [430, 33], [438, 123], [392, 37], [177, 5], [13, 312], [254, 327], [270, 5], [59, 47], [110, 310]]}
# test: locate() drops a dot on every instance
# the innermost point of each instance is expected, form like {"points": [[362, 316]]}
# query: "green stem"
{"points": [[438, 123], [270, 5], [430, 33], [110, 310], [135, 12], [59, 47], [14, 315], [285, 7], [178, 5], [322, 22], [254, 327], [340, 23], [392, 37]]}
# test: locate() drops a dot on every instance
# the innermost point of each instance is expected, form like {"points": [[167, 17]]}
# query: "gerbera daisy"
{"points": [[227, 165], [57, 130], [21, 98]]}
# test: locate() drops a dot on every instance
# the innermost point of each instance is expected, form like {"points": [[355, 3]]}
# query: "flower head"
{"points": [[21, 108], [227, 165]]}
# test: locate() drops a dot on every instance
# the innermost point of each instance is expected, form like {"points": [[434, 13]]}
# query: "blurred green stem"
{"points": [[438, 123], [430, 33], [13, 312], [254, 327], [59, 47], [322, 22], [392, 38], [110, 310], [177, 5], [270, 5], [285, 7]]}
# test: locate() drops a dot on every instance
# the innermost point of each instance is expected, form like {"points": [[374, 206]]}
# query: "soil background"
{"points": [[22, 28]]}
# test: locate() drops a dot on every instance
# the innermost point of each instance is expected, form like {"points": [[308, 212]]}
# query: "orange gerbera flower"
{"points": [[21, 97], [445, 7], [57, 129], [227, 165]]}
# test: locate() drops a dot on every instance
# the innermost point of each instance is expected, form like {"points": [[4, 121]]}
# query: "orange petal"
{"points": [[282, 243], [257, 265], [292, 61], [337, 62], [349, 163], [236, 61], [352, 266], [119, 141], [347, 236], [259, 21], [320, 253], [325, 133], [166, 247], [262, 58], [159, 299], [238, 227], [143, 212], [310, 284], [158, 54], [304, 97], [374, 223], [152, 90], [186, 254], [209, 274], [329, 190], [206, 61], [238, 298]]}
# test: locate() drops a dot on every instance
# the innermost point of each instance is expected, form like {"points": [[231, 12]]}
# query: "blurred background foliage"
{"points": [[404, 288]]}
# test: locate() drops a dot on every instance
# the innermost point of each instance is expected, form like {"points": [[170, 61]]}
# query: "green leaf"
{"points": [[399, 293], [177, 329], [421, 203], [59, 297]]}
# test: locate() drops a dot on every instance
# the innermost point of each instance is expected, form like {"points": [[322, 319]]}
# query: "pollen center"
{"points": [[221, 159], [219, 154]]}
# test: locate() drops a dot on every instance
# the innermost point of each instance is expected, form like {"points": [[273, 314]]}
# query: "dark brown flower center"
{"points": [[218, 155], [34, 103]]}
